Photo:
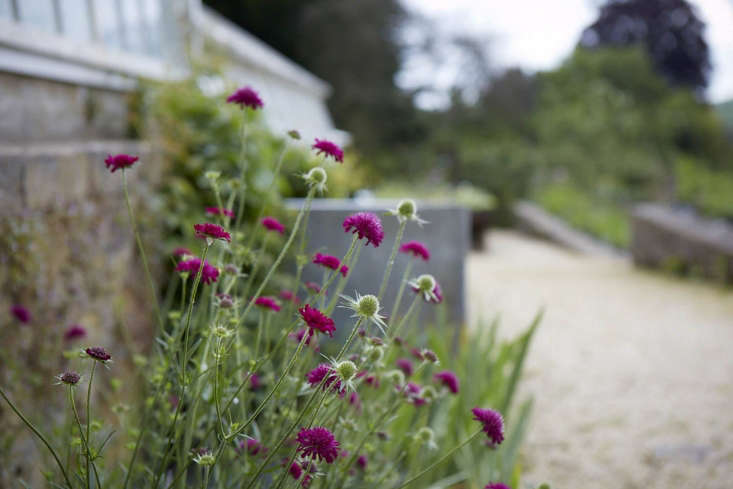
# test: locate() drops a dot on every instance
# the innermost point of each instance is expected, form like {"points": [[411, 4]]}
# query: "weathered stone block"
{"points": [[663, 237]]}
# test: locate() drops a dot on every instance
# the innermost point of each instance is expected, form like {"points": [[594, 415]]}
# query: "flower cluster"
{"points": [[365, 225]]}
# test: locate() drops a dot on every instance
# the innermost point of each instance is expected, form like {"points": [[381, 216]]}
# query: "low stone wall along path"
{"points": [[631, 371]]}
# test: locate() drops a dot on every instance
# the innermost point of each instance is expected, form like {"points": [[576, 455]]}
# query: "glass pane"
{"points": [[75, 19], [37, 13], [152, 16], [133, 26], [106, 17], [5, 11]]}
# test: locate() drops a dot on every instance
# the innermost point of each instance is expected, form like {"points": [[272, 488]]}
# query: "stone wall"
{"points": [[680, 241], [66, 249]]}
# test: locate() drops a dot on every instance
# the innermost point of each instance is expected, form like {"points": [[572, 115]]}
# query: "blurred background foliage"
{"points": [[622, 120]]}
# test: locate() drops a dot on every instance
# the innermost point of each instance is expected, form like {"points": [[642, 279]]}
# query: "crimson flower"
{"points": [[120, 161], [75, 332], [98, 353], [365, 225], [324, 371], [245, 97], [21, 313], [318, 442], [180, 251], [405, 365], [209, 273], [328, 148], [448, 379], [328, 261], [416, 249], [317, 321], [496, 485], [220, 211], [210, 230], [272, 224], [493, 423], [267, 303]]}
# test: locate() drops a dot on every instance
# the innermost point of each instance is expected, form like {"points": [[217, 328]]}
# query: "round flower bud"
{"points": [[429, 393], [346, 370], [316, 177], [204, 457], [212, 176], [368, 306], [374, 354], [425, 436], [425, 283], [430, 356], [376, 341], [407, 209], [221, 331], [69, 378], [294, 134], [395, 376]]}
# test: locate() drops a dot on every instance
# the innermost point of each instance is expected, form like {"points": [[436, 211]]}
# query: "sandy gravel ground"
{"points": [[632, 372]]}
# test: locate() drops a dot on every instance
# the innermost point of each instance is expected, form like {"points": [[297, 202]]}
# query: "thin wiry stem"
{"points": [[143, 255], [39, 435], [89, 421], [390, 263]]}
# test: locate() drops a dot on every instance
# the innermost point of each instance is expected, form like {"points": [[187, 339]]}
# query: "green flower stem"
{"points": [[243, 165], [343, 281], [442, 459], [89, 421], [404, 318], [311, 398], [255, 266], [283, 252], [139, 439], [84, 440], [39, 435], [398, 300], [184, 362], [143, 255], [390, 263], [336, 273], [265, 201]]}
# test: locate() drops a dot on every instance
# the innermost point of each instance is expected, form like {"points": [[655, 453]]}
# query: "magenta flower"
{"points": [[317, 321], [254, 382], [318, 443], [209, 273], [448, 379], [219, 211], [98, 353], [328, 261], [328, 148], [251, 446], [493, 424], [344, 270], [416, 249], [361, 462], [245, 97], [355, 401], [412, 389], [210, 230], [313, 286], [21, 313], [298, 336], [120, 161], [288, 295], [295, 471], [69, 378], [372, 381], [496, 485], [405, 365], [267, 303], [366, 225], [74, 332], [272, 224], [180, 251], [415, 352], [324, 371]]}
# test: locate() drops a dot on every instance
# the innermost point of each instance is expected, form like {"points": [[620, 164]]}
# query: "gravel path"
{"points": [[632, 372]]}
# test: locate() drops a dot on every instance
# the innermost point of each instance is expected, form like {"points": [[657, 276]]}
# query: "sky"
{"points": [[539, 34]]}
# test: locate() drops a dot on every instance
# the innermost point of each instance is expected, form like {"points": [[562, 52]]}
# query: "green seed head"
{"points": [[316, 176], [407, 208], [429, 393], [425, 435], [367, 306], [375, 354], [395, 376], [426, 283], [346, 370]]}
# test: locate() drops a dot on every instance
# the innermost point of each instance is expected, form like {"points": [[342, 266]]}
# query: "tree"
{"points": [[670, 31]]}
